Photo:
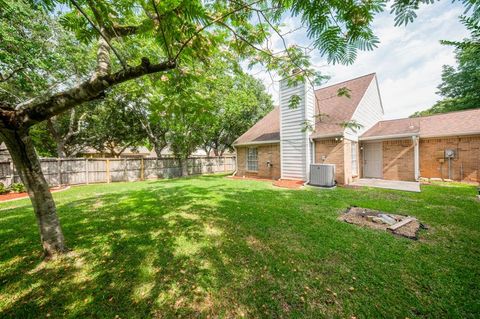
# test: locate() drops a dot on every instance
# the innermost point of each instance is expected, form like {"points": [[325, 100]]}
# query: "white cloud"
{"points": [[408, 60]]}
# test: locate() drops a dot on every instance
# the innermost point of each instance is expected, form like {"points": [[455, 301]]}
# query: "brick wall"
{"points": [[330, 151], [398, 160], [269, 152], [465, 166]]}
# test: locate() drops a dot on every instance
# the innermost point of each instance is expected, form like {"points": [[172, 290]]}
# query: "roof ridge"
{"points": [[356, 78]]}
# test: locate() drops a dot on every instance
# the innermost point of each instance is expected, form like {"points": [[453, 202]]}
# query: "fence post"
{"points": [[86, 170], [108, 170], [142, 172], [59, 167], [224, 163]]}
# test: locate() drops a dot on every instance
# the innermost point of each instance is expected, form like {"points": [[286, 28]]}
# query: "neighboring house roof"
{"points": [[264, 131], [336, 109], [141, 150], [446, 124]]}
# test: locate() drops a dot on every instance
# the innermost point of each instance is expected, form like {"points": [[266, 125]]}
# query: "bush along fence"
{"points": [[74, 171]]}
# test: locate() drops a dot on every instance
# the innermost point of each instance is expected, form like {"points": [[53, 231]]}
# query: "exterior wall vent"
{"points": [[322, 175]]}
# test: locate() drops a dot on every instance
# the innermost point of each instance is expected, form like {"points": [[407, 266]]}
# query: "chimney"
{"points": [[295, 146]]}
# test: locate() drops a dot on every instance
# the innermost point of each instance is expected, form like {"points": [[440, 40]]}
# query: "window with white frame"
{"points": [[354, 158], [252, 159]]}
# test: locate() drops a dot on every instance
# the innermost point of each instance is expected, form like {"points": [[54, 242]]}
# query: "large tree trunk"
{"points": [[184, 166], [61, 149], [158, 150], [26, 161]]}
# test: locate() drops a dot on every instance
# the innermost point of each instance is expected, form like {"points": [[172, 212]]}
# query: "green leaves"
{"points": [[294, 101], [352, 124], [344, 91]]}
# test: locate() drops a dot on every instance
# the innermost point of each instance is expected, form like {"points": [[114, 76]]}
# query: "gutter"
{"points": [[258, 143], [450, 135], [326, 136], [384, 137], [393, 136]]}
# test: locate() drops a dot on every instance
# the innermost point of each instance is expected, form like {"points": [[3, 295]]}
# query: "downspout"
{"points": [[236, 161], [416, 157], [312, 158]]}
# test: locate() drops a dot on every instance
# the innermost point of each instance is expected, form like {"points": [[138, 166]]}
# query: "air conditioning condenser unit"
{"points": [[322, 175]]}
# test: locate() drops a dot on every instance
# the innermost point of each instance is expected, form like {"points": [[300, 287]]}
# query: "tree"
{"points": [[238, 101], [146, 102], [460, 87], [163, 36], [66, 130], [112, 128], [186, 112]]}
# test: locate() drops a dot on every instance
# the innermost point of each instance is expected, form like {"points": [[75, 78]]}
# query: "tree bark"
{"points": [[26, 161], [61, 149], [158, 150], [184, 166]]}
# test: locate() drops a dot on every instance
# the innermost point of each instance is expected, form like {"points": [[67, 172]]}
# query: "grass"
{"points": [[216, 247]]}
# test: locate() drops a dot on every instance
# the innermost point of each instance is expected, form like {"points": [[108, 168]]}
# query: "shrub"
{"points": [[17, 188], [3, 189]]}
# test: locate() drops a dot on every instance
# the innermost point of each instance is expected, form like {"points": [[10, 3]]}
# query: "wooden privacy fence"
{"points": [[74, 171]]}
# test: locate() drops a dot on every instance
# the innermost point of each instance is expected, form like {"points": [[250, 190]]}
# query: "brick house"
{"points": [[445, 146]]}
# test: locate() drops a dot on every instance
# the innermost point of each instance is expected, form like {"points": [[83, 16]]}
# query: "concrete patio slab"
{"points": [[383, 183]]}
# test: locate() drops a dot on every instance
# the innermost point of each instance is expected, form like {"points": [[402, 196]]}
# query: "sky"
{"points": [[408, 61]]}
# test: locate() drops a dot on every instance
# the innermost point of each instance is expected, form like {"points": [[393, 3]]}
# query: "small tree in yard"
{"points": [[147, 107], [111, 128], [238, 101], [137, 38]]}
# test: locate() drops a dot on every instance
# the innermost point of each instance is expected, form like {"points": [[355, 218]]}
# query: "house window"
{"points": [[354, 159], [252, 159]]}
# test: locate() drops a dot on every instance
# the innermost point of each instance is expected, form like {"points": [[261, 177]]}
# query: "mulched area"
{"points": [[11, 196], [286, 183], [376, 220]]}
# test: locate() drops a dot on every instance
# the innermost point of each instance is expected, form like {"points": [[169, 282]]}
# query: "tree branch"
{"points": [[211, 23], [124, 65], [4, 78], [161, 28], [36, 111]]}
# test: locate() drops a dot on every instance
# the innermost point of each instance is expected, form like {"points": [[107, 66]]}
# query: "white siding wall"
{"points": [[294, 141], [368, 112]]}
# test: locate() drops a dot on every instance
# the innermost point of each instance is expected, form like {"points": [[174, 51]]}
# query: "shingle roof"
{"points": [[338, 108], [447, 124], [267, 129]]}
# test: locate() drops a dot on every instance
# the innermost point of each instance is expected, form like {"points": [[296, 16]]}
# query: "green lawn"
{"points": [[212, 246]]}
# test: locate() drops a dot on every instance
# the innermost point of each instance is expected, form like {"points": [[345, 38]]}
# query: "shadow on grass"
{"points": [[205, 247]]}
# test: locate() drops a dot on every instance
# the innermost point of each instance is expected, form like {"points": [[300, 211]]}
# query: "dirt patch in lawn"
{"points": [[406, 226], [291, 184]]}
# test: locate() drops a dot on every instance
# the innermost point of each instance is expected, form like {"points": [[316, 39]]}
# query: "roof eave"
{"points": [[256, 143], [318, 137], [450, 135], [387, 137]]}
